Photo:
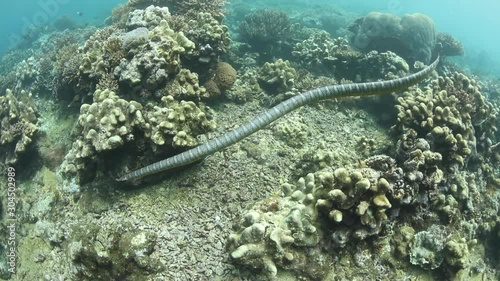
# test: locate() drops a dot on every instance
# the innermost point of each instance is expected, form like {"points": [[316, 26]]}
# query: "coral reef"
{"points": [[277, 77], [413, 37], [263, 28], [319, 50], [152, 64], [18, 124], [325, 207], [304, 199], [176, 123], [449, 45], [210, 36], [452, 114], [110, 122]]}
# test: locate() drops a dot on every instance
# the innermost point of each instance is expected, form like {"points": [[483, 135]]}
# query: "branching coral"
{"points": [[449, 45], [263, 28]]}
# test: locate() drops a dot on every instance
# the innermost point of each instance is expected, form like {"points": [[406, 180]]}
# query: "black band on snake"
{"points": [[266, 118]]}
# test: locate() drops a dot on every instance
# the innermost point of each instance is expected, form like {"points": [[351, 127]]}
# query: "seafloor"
{"points": [[370, 188]]}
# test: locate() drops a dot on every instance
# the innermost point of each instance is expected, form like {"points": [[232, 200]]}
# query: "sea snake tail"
{"points": [[259, 122]]}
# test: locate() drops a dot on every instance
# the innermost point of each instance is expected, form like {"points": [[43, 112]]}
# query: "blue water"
{"points": [[19, 14], [474, 23]]}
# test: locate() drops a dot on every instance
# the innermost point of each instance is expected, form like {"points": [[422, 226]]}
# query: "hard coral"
{"points": [[322, 53], [449, 45], [324, 208], [152, 64], [186, 86], [263, 28], [211, 38], [17, 125], [176, 123], [193, 7], [452, 114], [225, 75], [412, 36], [277, 76]]}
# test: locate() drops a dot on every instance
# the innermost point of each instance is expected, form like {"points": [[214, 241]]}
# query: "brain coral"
{"points": [[225, 75]]}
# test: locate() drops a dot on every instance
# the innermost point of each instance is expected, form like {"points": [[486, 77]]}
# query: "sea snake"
{"points": [[259, 122]]}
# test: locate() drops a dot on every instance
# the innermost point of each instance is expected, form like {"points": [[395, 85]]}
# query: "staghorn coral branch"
{"points": [[259, 122]]}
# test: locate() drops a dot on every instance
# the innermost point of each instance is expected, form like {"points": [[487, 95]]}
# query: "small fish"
{"points": [[79, 13]]}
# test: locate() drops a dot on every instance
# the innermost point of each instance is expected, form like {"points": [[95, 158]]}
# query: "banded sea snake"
{"points": [[266, 118]]}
